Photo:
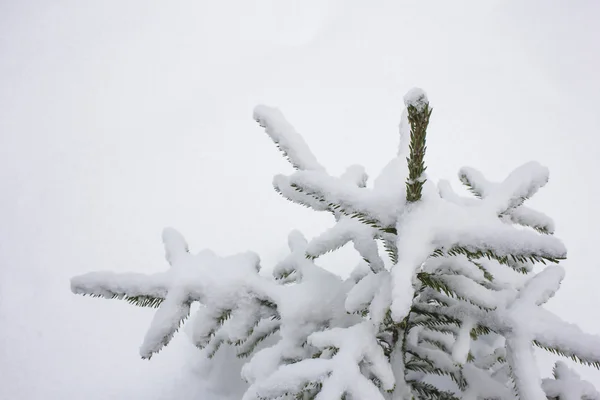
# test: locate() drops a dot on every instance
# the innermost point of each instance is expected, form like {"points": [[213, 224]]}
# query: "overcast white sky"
{"points": [[118, 118]]}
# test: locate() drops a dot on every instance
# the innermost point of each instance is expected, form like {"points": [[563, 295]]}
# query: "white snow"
{"points": [[568, 385], [462, 345], [417, 98], [285, 136]]}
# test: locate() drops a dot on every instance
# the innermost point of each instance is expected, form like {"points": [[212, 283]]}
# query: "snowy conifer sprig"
{"points": [[453, 312]]}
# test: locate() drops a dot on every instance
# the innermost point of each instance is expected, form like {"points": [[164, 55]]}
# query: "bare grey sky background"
{"points": [[118, 118]]}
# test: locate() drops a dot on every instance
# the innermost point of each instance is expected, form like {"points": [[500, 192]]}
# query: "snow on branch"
{"points": [[348, 198], [312, 301], [436, 226], [356, 175], [542, 286], [283, 186], [416, 98], [346, 230], [190, 278], [286, 138], [138, 289], [508, 196], [568, 385]]}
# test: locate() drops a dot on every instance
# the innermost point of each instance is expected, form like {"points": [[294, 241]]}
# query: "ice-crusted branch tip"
{"points": [[417, 105]]}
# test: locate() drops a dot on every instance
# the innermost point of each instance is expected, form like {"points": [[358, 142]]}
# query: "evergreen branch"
{"points": [[436, 282], [436, 343], [249, 345], [285, 137], [426, 391], [137, 289], [471, 185], [362, 216], [391, 249], [215, 346], [299, 197], [491, 255], [136, 300], [153, 344], [418, 117], [224, 316], [568, 354], [421, 363], [436, 319], [479, 330], [486, 274]]}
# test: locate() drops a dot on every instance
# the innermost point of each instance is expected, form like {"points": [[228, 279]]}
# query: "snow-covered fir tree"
{"points": [[445, 303]]}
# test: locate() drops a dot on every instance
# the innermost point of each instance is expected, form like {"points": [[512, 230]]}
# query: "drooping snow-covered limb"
{"points": [[286, 138], [337, 375], [138, 289], [167, 320], [190, 278], [523, 366], [568, 385]]}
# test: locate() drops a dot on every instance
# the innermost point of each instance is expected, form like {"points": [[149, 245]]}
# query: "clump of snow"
{"points": [[568, 385], [417, 98], [285, 136]]}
